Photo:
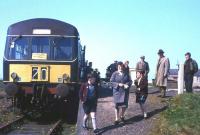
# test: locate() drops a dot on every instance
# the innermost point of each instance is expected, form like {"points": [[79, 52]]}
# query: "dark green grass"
{"points": [[181, 118]]}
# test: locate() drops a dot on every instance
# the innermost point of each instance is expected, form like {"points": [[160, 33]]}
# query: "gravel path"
{"points": [[135, 124], [7, 112]]}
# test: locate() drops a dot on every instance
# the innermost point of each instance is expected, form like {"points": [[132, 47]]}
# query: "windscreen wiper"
{"points": [[14, 39]]}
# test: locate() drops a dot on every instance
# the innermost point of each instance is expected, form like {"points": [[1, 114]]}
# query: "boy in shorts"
{"points": [[88, 96]]}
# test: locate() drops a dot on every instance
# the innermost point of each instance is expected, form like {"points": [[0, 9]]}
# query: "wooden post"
{"points": [[181, 79]]}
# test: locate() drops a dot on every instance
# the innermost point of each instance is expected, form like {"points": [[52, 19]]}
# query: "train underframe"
{"points": [[38, 98]]}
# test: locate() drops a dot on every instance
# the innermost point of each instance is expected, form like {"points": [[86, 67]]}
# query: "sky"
{"points": [[117, 29]]}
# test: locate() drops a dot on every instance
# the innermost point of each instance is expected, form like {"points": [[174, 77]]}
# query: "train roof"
{"points": [[57, 27]]}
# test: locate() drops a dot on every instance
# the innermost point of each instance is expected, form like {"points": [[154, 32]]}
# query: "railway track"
{"points": [[5, 103], [22, 126], [11, 125]]}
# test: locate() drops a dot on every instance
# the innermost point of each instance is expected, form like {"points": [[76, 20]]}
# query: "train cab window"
{"points": [[19, 49], [41, 45], [62, 48]]}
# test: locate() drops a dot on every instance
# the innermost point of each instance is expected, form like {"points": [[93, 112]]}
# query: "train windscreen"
{"points": [[62, 48], [42, 48]]}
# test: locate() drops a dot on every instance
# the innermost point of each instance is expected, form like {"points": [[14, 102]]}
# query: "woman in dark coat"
{"points": [[141, 91], [120, 83]]}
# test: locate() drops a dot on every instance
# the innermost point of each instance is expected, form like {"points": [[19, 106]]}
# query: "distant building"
{"points": [[173, 75], [132, 73], [197, 79]]}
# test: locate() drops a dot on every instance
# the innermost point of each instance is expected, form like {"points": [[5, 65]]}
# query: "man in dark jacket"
{"points": [[189, 71], [110, 70], [126, 67]]}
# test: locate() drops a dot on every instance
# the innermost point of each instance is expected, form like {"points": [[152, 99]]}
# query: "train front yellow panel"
{"points": [[38, 72], [23, 72], [57, 71]]}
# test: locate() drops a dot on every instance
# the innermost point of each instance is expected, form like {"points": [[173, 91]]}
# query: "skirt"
{"points": [[141, 98], [125, 103]]}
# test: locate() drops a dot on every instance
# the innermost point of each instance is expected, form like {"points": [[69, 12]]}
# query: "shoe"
{"points": [[145, 115], [122, 119], [95, 131], [163, 96], [116, 122], [84, 127]]}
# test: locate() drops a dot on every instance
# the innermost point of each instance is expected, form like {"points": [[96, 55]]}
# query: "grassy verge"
{"points": [[181, 118]]}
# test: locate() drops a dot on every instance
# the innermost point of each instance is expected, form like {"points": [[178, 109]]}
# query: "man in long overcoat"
{"points": [[162, 71]]}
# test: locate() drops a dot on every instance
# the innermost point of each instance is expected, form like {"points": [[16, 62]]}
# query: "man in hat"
{"points": [[162, 72], [142, 65]]}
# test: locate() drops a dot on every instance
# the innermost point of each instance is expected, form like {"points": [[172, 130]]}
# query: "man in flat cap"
{"points": [[162, 71], [142, 65]]}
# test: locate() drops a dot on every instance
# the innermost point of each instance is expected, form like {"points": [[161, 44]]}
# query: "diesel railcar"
{"points": [[42, 62]]}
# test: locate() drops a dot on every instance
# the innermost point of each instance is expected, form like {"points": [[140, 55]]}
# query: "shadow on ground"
{"points": [[132, 120]]}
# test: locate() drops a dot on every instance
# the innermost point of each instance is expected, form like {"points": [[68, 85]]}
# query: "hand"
{"points": [[165, 76], [121, 84], [126, 86], [136, 82]]}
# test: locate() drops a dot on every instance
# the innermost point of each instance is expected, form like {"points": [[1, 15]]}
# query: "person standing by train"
{"points": [[96, 73], [88, 96], [141, 84], [113, 67], [142, 65], [126, 67], [162, 71], [110, 70], [120, 83]]}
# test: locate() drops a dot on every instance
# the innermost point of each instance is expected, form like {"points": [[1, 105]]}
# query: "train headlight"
{"points": [[14, 75], [62, 90]]}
